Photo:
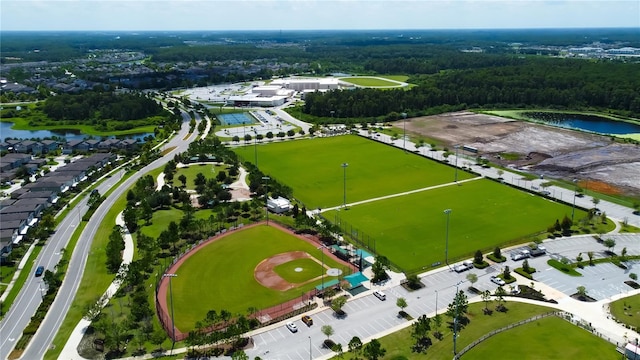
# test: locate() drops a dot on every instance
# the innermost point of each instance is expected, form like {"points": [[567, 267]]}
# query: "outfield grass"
{"points": [[548, 338], [369, 81], [221, 275], [411, 230], [309, 269], [313, 169], [627, 310]]}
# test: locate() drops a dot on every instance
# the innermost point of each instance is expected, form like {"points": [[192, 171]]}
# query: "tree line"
{"points": [[555, 83], [101, 105]]}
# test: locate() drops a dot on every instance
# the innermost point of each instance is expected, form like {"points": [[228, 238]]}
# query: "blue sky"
{"points": [[140, 15]]}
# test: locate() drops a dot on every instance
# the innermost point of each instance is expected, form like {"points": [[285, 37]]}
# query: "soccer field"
{"points": [[312, 168], [411, 230]]}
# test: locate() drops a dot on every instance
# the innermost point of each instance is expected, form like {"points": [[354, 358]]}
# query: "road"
{"points": [[30, 298], [370, 318]]}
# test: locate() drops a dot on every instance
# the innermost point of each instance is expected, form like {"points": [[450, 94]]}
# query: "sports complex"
{"points": [[395, 204]]}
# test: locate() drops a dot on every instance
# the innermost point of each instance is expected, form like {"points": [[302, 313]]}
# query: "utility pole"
{"points": [[266, 197]]}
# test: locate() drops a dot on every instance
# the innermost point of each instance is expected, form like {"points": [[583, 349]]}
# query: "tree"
{"points": [[486, 297], [183, 180], [93, 309], [413, 281], [374, 350], [496, 253], [473, 278], [327, 330], [609, 244], [500, 173], [590, 255], [478, 258], [379, 268], [525, 266], [401, 303], [623, 254], [235, 139], [459, 306], [338, 303], [355, 346], [500, 294], [506, 273], [420, 333], [595, 202], [581, 292]]}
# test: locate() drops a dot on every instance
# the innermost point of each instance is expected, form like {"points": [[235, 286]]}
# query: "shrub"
{"points": [[634, 276]]}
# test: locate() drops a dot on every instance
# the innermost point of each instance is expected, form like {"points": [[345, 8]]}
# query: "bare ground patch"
{"points": [[541, 149]]}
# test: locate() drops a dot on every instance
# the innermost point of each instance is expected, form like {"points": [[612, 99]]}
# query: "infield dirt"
{"points": [[543, 150]]}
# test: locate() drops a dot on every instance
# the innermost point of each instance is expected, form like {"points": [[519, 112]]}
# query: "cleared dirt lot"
{"points": [[539, 149]]}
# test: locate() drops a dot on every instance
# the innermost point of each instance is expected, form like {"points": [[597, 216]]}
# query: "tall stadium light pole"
{"points": [[446, 241], [266, 197], [456, 173], [173, 324], [255, 146], [321, 248], [344, 184], [404, 131], [455, 319]]}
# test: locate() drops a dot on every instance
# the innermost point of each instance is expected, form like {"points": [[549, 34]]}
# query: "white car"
{"points": [[497, 280], [380, 295], [292, 327]]}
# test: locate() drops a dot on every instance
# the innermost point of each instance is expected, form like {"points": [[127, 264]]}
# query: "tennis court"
{"points": [[235, 119]]}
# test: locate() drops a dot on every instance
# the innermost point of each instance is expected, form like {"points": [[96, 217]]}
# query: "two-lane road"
{"points": [[30, 298]]}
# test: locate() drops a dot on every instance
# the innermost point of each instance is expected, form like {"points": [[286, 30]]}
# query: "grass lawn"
{"points": [[160, 221], [627, 310], [369, 81], [548, 338], [398, 344], [312, 168], [20, 123], [411, 230], [220, 276], [209, 171], [308, 269]]}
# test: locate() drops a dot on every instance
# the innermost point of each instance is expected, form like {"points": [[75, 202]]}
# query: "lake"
{"points": [[590, 123], [7, 132]]}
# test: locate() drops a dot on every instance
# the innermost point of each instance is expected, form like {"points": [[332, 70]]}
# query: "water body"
{"points": [[592, 123], [7, 132]]}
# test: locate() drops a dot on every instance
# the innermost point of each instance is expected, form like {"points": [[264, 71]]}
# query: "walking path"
{"points": [[70, 350], [16, 274]]}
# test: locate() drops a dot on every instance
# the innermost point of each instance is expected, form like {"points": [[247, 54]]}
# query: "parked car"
{"points": [[520, 255], [307, 320], [466, 265], [380, 295], [497, 280], [39, 270], [292, 327]]}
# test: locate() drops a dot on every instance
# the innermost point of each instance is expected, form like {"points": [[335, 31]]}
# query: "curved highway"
{"points": [[30, 296]]}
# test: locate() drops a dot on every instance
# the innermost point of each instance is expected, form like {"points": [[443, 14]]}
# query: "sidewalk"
{"points": [[70, 350]]}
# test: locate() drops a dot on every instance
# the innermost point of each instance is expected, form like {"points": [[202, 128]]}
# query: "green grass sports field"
{"points": [[411, 230], [221, 275], [313, 169]]}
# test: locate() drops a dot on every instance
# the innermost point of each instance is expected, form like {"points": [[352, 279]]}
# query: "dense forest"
{"points": [[101, 105], [531, 82]]}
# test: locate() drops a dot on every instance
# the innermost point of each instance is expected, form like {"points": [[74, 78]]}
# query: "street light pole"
{"points": [[436, 302], [573, 208], [446, 242], [404, 131], [310, 356], [173, 324], [266, 197], [344, 189]]}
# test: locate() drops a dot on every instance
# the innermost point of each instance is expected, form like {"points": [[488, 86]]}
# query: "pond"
{"points": [[7, 132], [590, 123]]}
